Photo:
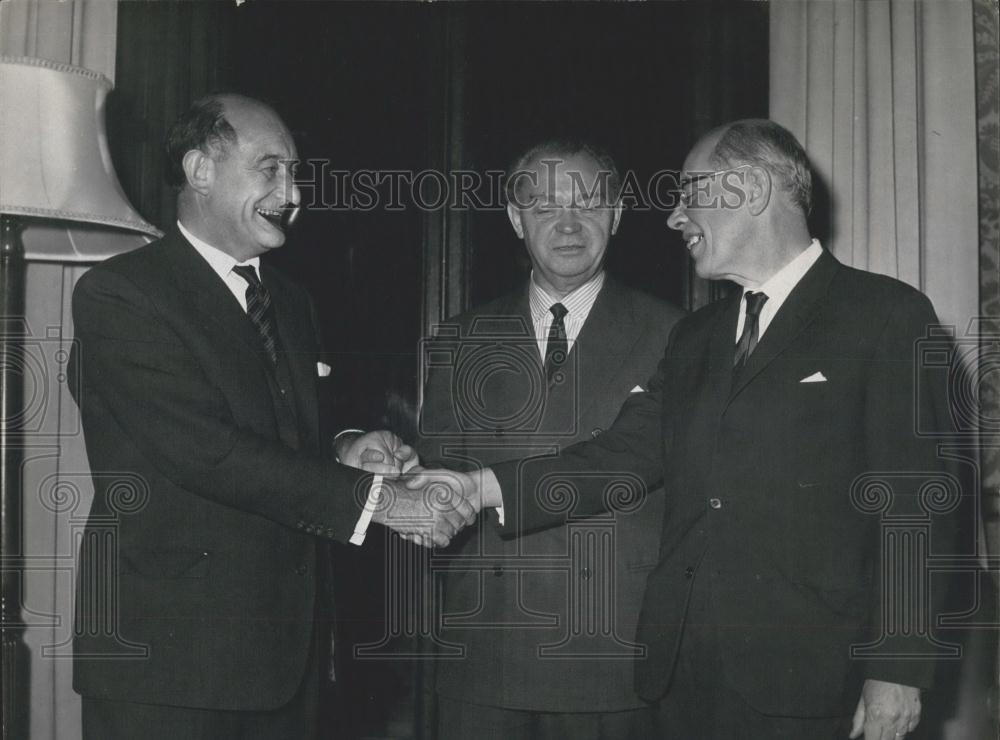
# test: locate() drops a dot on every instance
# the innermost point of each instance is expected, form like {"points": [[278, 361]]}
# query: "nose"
{"points": [[569, 221], [677, 218], [288, 190], [292, 193]]}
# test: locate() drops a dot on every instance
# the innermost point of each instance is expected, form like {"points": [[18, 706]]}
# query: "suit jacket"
{"points": [[199, 568], [768, 507], [519, 608]]}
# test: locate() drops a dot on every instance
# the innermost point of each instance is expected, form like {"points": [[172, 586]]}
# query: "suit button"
{"points": [[715, 503], [301, 570], [497, 571], [689, 572], [596, 432]]}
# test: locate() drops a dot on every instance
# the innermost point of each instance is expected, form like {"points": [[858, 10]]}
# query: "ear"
{"points": [[615, 218], [758, 191], [199, 169], [514, 214]]}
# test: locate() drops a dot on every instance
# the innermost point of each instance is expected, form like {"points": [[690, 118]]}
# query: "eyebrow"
{"points": [[277, 157]]}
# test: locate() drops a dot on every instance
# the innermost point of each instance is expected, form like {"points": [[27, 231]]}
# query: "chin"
{"points": [[271, 240]]}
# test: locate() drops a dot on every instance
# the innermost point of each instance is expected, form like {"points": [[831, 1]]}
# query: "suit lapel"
{"points": [[220, 311], [296, 345], [604, 344], [222, 316], [511, 384], [795, 314], [721, 349]]}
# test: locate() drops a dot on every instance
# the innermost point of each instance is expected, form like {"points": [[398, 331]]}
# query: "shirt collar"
{"points": [[577, 302], [780, 284], [219, 261]]}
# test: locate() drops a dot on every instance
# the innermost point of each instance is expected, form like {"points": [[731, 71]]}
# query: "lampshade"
{"points": [[55, 166]]}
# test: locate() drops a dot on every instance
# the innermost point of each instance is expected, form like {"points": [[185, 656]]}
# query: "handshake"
{"points": [[425, 506]]}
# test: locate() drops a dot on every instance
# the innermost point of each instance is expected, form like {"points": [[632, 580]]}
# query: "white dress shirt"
{"points": [[223, 265], [777, 288], [578, 305]]}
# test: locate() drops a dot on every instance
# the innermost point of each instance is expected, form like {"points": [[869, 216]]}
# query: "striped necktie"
{"points": [[259, 310]]}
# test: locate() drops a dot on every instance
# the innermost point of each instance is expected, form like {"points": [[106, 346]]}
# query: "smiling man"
{"points": [[533, 372], [775, 609], [203, 574]]}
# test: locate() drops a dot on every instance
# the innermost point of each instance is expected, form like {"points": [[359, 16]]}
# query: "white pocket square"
{"points": [[638, 389], [814, 378], [322, 369]]}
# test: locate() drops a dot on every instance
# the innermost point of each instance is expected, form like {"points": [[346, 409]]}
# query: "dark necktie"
{"points": [[259, 310], [748, 339], [556, 348]]}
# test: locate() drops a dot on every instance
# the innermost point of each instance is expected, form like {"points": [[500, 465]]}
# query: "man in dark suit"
{"points": [[782, 421], [530, 373], [202, 580]]}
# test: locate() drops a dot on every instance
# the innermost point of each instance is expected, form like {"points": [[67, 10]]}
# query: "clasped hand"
{"points": [[429, 506], [425, 506]]}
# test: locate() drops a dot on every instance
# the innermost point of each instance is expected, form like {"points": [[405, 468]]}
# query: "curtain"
{"points": [[882, 95], [56, 487], [79, 32]]}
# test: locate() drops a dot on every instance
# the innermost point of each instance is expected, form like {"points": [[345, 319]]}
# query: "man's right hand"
{"points": [[428, 507]]}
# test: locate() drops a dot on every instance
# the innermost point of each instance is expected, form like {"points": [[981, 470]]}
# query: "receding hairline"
{"points": [[765, 142], [561, 151], [720, 133]]}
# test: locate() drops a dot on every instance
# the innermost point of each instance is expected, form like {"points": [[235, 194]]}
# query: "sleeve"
{"points": [[134, 366], [536, 490], [906, 418]]}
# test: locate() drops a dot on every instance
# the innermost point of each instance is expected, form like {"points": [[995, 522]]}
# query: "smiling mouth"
{"points": [[693, 241], [281, 218]]}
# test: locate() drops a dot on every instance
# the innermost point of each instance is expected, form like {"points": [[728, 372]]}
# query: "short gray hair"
{"points": [[764, 143], [564, 149]]}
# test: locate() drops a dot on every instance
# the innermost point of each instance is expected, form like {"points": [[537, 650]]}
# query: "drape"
{"points": [[882, 95], [56, 486]]}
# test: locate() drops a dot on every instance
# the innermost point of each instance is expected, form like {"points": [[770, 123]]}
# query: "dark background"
{"points": [[418, 86]]}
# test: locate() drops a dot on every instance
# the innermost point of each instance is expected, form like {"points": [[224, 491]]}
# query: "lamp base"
{"points": [[15, 659]]}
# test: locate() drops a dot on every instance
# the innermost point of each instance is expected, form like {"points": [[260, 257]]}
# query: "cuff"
{"points": [[361, 527], [491, 493], [337, 437]]}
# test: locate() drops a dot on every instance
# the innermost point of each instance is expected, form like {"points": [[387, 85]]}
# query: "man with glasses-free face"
{"points": [[522, 677]]}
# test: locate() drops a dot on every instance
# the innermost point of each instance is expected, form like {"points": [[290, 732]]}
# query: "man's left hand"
{"points": [[380, 452], [886, 711]]}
